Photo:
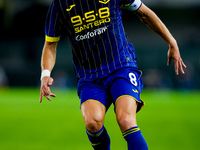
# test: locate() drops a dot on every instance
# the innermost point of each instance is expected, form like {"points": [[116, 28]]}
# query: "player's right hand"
{"points": [[45, 91]]}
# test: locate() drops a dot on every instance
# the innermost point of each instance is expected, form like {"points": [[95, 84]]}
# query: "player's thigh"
{"points": [[93, 109], [126, 98], [128, 83], [94, 101], [127, 105], [125, 109]]}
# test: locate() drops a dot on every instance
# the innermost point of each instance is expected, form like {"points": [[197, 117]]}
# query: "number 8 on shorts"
{"points": [[133, 79]]}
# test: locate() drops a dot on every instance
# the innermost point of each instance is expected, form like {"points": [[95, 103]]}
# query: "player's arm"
{"points": [[147, 16], [151, 19], [47, 63]]}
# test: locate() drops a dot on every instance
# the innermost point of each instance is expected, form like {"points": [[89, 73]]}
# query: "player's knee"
{"points": [[93, 114], [94, 121], [126, 121], [123, 120], [93, 124]]}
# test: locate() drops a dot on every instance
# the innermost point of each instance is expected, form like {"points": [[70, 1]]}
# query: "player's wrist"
{"points": [[172, 43], [45, 73]]}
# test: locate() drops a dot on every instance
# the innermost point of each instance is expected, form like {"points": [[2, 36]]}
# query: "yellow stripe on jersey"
{"points": [[52, 39]]}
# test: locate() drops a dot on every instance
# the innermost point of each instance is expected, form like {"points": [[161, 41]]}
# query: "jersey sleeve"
{"points": [[133, 5], [52, 25]]}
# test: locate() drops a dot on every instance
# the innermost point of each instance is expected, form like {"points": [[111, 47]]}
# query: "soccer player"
{"points": [[104, 62]]}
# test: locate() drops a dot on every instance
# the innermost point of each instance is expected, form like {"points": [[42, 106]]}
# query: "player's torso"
{"points": [[96, 34]]}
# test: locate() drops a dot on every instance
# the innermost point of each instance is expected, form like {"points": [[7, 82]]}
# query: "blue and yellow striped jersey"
{"points": [[95, 30]]}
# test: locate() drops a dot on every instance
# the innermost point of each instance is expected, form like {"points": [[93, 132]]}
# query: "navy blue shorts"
{"points": [[107, 90]]}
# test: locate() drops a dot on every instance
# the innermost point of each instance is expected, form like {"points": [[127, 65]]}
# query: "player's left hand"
{"points": [[173, 53], [45, 88]]}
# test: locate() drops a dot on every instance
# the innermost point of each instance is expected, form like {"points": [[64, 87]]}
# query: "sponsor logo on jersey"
{"points": [[70, 7], [91, 34], [104, 1], [90, 19], [135, 91], [91, 25]]}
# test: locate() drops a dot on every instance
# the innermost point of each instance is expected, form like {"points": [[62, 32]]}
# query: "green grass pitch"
{"points": [[169, 121]]}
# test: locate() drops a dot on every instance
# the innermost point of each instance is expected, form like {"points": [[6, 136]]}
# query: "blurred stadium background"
{"points": [[172, 101], [22, 38]]}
